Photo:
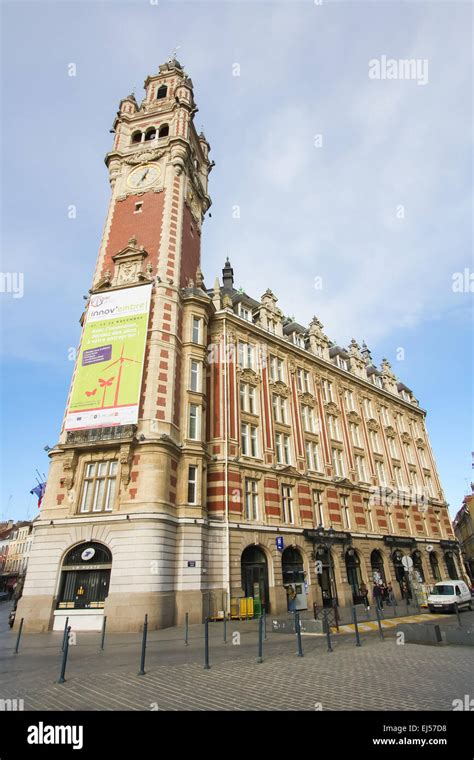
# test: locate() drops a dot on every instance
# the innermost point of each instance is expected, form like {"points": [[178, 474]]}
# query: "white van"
{"points": [[446, 594]]}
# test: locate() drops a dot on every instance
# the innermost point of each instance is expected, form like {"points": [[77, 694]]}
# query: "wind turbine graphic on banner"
{"points": [[121, 361]]}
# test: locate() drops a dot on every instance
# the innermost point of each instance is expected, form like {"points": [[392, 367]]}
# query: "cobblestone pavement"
{"points": [[379, 675]]}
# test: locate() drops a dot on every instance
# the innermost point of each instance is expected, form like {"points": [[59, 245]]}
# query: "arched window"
{"points": [[354, 577], [451, 565], [85, 577], [164, 130], [162, 92], [435, 566], [255, 577], [418, 566], [376, 563], [326, 577], [150, 134], [292, 566], [136, 137]]}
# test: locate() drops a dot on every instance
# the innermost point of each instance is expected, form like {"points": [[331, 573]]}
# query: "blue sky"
{"points": [[306, 211]]}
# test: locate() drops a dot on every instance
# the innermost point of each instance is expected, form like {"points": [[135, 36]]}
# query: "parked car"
{"points": [[446, 594]]}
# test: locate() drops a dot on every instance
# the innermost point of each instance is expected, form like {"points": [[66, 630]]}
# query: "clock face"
{"points": [[143, 176]]}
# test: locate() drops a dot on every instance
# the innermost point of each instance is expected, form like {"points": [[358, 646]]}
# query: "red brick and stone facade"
{"points": [[260, 448]]}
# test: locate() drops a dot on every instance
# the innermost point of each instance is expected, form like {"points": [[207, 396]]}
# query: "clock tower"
{"points": [[120, 529]]}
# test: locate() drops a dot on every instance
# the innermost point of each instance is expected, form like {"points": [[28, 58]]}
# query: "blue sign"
{"points": [[279, 543]]}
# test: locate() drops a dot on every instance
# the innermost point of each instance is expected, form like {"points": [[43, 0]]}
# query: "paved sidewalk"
{"points": [[379, 675]]}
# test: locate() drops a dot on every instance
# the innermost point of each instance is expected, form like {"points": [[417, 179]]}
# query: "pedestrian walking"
{"points": [[364, 592], [378, 596]]}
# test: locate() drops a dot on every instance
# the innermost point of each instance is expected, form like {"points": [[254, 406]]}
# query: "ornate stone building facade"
{"points": [[261, 450]]}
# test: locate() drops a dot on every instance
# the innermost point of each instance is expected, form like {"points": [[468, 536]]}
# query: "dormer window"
{"points": [[342, 363], [164, 130], [136, 137], [377, 381], [162, 92], [298, 340], [245, 312], [150, 134], [405, 395]]}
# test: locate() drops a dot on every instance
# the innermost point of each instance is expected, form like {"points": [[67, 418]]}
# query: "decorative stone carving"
{"points": [[129, 265], [307, 398], [279, 388], [354, 417], [332, 408], [144, 156], [247, 375], [125, 458], [373, 425]]}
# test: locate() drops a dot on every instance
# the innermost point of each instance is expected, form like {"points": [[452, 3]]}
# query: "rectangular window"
{"points": [[312, 456], [283, 448], [338, 463], [287, 499], [368, 408], [360, 467], [374, 439], [196, 330], [277, 369], [430, 487], [318, 508], [334, 430], [279, 409], [392, 446], [346, 515], [247, 398], [193, 421], [342, 363], [408, 453], [249, 440], [246, 355], [422, 455], [98, 491], [377, 380], [349, 400], [251, 499], [245, 312], [303, 380], [385, 417], [195, 376], [308, 418], [379, 466], [192, 484], [398, 476], [327, 391], [355, 434], [401, 423]]}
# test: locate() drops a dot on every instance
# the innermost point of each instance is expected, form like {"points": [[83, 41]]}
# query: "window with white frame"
{"points": [[307, 414], [303, 380], [374, 440], [192, 484], [282, 445], [385, 417], [405, 395], [312, 456], [380, 470], [346, 514], [398, 476], [401, 422], [377, 380], [277, 369], [334, 430], [194, 421], [251, 499], [249, 440], [342, 363], [98, 490], [422, 455], [246, 355], [355, 434], [298, 340], [245, 312], [349, 400], [196, 335], [430, 486], [318, 507], [392, 447], [287, 501], [248, 398], [196, 376], [368, 408], [408, 453], [279, 409], [360, 468], [327, 391], [338, 463]]}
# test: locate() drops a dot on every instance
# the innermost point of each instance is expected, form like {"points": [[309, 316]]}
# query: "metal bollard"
{"points": [[264, 625], [19, 636], [103, 633], [65, 633], [379, 621], [408, 611], [186, 629], [260, 639], [356, 627], [298, 634], [65, 653], [456, 607], [328, 630], [141, 672], [206, 644], [225, 628]]}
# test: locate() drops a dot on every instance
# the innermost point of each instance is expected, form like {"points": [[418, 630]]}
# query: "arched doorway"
{"points": [[293, 576], [451, 565], [354, 576], [326, 578], [376, 564], [401, 575], [255, 577], [85, 577], [435, 566], [418, 571]]}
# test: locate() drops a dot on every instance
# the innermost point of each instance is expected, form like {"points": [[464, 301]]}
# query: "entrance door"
{"points": [[326, 578], [255, 577]]}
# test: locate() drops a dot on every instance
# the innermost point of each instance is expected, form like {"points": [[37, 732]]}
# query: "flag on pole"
{"points": [[39, 491]]}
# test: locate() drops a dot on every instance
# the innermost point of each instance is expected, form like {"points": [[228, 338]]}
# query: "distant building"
{"points": [[17, 545], [464, 532]]}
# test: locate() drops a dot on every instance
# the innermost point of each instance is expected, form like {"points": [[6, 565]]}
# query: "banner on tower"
{"points": [[107, 383]]}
